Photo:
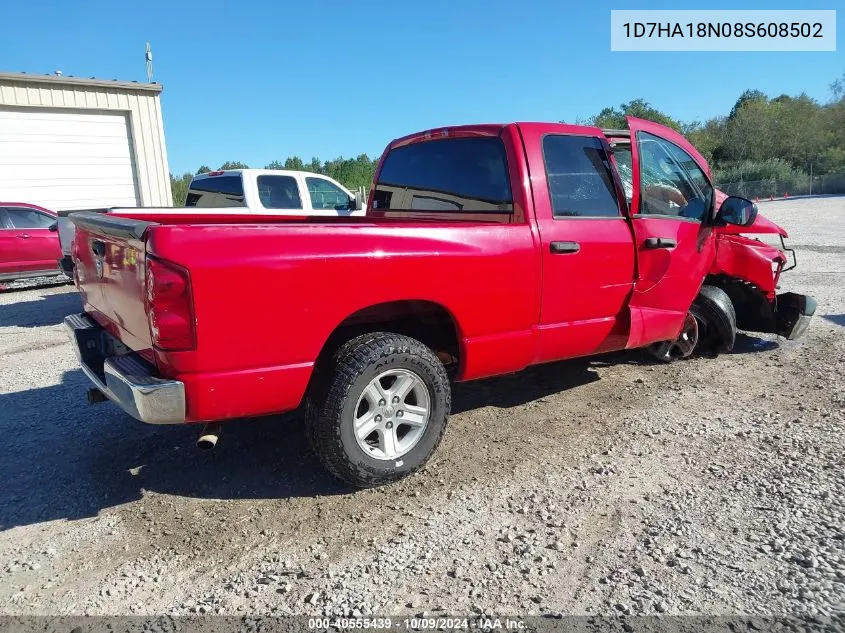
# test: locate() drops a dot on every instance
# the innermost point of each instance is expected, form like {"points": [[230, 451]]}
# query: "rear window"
{"points": [[279, 192], [579, 176], [447, 175], [216, 191]]}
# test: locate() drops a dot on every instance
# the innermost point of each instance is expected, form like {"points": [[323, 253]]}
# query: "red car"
{"points": [[29, 243], [485, 249]]}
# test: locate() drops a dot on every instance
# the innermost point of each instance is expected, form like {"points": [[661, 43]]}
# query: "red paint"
{"points": [[749, 260], [266, 293], [25, 251]]}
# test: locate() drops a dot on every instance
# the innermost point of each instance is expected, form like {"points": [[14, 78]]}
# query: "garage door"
{"points": [[66, 159]]}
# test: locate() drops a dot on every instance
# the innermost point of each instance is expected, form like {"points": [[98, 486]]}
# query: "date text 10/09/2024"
{"points": [[479, 623], [723, 29]]}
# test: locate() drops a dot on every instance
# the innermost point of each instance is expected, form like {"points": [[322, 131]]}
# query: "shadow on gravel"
{"points": [[518, 389], [46, 310], [65, 459], [838, 319], [749, 344]]}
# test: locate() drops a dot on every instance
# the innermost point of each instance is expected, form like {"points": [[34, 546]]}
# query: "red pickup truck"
{"points": [[485, 249]]}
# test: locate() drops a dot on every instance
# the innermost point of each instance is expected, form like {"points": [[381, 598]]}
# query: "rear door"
{"points": [[29, 244], [280, 192], [671, 207], [586, 241]]}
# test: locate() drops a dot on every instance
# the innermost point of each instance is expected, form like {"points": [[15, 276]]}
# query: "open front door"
{"points": [[672, 204]]}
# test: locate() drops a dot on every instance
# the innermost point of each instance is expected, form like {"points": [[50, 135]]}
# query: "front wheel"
{"points": [[709, 328], [380, 412]]}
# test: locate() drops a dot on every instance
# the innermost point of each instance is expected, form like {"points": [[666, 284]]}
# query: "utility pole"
{"points": [[811, 178]]}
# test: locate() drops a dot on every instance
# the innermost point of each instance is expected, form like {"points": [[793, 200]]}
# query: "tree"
{"points": [[749, 96], [295, 163], [615, 118], [234, 164], [179, 188], [204, 169]]}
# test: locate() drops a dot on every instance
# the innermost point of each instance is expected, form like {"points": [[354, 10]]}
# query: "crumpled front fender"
{"points": [[749, 260]]}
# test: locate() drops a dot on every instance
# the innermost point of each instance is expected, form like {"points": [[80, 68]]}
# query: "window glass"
{"points": [[671, 183], [279, 192], [622, 154], [216, 191], [450, 175], [326, 195], [21, 218], [579, 177]]}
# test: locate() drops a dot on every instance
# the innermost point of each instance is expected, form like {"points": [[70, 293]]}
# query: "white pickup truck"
{"points": [[243, 191]]}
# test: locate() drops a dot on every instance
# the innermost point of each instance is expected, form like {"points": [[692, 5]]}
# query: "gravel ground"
{"points": [[602, 486]]}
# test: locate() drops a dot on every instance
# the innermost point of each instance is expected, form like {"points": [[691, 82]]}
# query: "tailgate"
{"points": [[109, 253], [66, 227]]}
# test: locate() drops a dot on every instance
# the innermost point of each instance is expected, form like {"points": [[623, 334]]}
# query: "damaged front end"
{"points": [[749, 270]]}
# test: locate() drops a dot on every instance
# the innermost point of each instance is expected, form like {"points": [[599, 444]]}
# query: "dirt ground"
{"points": [[603, 486]]}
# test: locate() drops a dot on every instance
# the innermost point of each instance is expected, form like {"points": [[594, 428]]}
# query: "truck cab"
{"points": [[273, 191]]}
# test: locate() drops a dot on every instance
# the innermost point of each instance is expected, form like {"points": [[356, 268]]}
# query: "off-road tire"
{"points": [[332, 400], [716, 318]]}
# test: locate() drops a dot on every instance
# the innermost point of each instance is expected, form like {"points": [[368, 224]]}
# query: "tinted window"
{"points": [[21, 218], [459, 174], [216, 191], [671, 183], [580, 181], [279, 192], [326, 195]]}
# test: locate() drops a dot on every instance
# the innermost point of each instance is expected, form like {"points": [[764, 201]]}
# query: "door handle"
{"points": [[23, 236], [560, 248], [660, 242]]}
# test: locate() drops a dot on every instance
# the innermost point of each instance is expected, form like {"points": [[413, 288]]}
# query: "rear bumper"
{"points": [[794, 313], [123, 376]]}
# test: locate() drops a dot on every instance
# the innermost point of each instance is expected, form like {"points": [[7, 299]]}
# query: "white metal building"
{"points": [[72, 143]]}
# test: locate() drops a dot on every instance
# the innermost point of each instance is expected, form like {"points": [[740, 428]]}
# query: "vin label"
{"points": [[717, 30]]}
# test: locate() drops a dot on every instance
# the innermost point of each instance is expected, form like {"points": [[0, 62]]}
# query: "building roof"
{"points": [[27, 78]]}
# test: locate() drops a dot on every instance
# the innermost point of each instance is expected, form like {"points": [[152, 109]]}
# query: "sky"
{"points": [[261, 81]]}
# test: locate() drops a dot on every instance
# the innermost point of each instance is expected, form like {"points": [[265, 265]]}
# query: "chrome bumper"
{"points": [[123, 376]]}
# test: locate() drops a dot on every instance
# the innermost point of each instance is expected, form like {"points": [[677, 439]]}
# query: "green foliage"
{"points": [[203, 170], [614, 118], [179, 188], [776, 139], [770, 169], [233, 164]]}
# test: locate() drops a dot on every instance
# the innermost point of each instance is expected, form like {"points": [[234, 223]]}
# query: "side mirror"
{"points": [[738, 211], [54, 227]]}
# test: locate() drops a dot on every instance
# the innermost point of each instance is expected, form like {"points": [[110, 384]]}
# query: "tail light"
{"points": [[170, 306]]}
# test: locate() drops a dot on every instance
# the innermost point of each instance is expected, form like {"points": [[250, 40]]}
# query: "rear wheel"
{"points": [[709, 328], [380, 413]]}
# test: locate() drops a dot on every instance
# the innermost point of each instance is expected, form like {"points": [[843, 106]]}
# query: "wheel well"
{"points": [[753, 309], [428, 322]]}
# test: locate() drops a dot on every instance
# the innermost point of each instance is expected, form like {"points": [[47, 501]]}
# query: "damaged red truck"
{"points": [[485, 249]]}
